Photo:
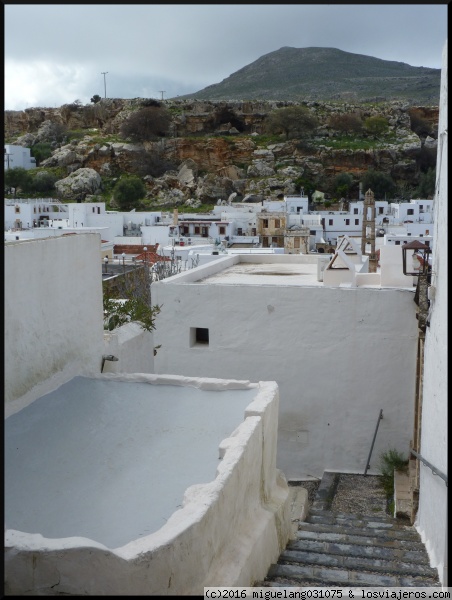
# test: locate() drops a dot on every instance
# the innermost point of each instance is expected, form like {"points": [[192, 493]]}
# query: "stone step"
{"points": [[382, 552], [347, 529], [335, 549], [327, 576], [358, 520], [382, 517], [355, 562]]}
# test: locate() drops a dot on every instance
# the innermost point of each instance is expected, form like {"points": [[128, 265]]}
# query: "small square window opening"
{"points": [[199, 336]]}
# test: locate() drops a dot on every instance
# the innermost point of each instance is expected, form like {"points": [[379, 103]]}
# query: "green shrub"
{"points": [[75, 134], [390, 460], [128, 191], [41, 151], [42, 181], [376, 125]]}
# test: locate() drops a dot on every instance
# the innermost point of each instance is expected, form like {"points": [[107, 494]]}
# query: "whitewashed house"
{"points": [[272, 315], [34, 212], [18, 156]]}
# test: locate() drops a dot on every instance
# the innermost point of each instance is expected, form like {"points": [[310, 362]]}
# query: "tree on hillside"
{"points": [[42, 181], [426, 187], [426, 159], [342, 184], [150, 102], [150, 163], [128, 191], [346, 122], [146, 124], [17, 178], [292, 121], [376, 125], [309, 183], [96, 98], [41, 151], [404, 191], [380, 183], [418, 123]]}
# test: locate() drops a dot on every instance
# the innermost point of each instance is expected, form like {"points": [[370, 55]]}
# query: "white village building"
{"points": [[18, 156], [291, 226]]}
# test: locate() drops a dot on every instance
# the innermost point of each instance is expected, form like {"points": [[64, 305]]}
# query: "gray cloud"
{"points": [[62, 50]]}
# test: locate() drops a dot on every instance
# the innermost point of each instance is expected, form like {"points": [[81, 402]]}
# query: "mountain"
{"points": [[321, 74]]}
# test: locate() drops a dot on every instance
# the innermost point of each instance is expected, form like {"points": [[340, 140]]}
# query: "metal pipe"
{"points": [[380, 416], [434, 470]]}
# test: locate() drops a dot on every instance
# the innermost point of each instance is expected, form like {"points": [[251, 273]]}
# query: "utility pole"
{"points": [[7, 157], [105, 84], [162, 92]]}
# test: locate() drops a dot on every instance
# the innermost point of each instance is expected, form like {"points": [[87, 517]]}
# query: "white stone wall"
{"points": [[155, 234], [53, 311], [338, 355], [227, 533], [132, 346], [391, 267], [432, 516]]}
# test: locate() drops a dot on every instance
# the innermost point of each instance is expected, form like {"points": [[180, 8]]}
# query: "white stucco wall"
{"points": [[132, 346], [391, 267], [18, 156], [227, 532], [339, 355], [432, 515], [53, 311]]}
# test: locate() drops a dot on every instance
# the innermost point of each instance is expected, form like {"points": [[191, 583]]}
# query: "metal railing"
{"points": [[434, 470], [380, 416]]}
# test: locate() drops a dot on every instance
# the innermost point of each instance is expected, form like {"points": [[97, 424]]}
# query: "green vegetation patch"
{"points": [[390, 461]]}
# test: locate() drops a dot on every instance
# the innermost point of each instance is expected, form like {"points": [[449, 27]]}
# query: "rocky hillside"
{"points": [[215, 149], [302, 74]]}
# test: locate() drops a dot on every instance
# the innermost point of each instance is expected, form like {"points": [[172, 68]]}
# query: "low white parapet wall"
{"points": [[133, 346], [227, 533]]}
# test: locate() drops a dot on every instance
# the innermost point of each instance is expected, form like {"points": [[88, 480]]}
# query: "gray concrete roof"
{"points": [[111, 460], [266, 273]]}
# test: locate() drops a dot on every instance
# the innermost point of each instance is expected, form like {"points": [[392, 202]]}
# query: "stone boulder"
{"points": [[79, 184], [253, 198], [26, 141], [431, 143], [211, 188], [193, 203], [187, 173], [49, 131], [64, 157], [260, 168]]}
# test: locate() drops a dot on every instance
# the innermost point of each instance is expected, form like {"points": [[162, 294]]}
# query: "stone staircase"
{"points": [[335, 549]]}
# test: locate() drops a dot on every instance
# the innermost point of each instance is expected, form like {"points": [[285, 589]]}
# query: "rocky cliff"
{"points": [[215, 149]]}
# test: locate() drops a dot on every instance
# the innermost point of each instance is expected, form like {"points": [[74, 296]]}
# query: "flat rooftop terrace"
{"points": [[110, 460], [267, 274]]}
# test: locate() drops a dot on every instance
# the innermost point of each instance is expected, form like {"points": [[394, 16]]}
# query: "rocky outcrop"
{"points": [[198, 117], [216, 149], [79, 184]]}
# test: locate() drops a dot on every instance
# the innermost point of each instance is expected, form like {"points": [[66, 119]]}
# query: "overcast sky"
{"points": [[55, 54]]}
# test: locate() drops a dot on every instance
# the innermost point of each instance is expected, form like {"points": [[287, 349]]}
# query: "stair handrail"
{"points": [[380, 416], [434, 470]]}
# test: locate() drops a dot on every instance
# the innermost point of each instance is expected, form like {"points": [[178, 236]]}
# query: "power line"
{"points": [[162, 92]]}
